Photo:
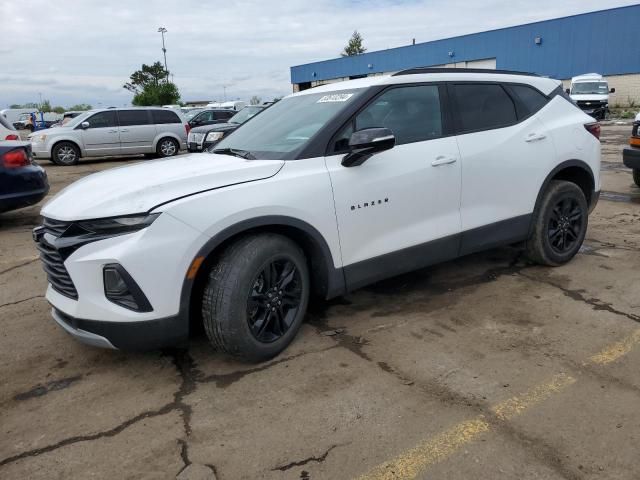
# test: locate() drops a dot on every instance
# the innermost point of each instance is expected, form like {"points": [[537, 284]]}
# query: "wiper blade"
{"points": [[236, 152]]}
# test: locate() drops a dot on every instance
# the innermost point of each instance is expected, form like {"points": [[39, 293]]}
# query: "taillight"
{"points": [[12, 137], [187, 127], [634, 142], [593, 129], [15, 159]]}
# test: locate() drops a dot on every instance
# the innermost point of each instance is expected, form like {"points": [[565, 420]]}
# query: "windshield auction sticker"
{"points": [[336, 97]]}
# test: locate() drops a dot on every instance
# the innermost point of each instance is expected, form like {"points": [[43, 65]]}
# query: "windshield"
{"points": [[79, 119], [586, 88], [284, 129], [245, 114]]}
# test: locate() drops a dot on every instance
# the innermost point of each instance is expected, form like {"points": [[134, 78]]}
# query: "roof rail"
{"points": [[416, 70]]}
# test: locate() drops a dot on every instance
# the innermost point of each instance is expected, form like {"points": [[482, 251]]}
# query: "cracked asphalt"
{"points": [[484, 367]]}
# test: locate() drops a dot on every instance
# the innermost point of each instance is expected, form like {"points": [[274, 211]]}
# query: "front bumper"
{"points": [[131, 336], [40, 151], [631, 157], [197, 147]]}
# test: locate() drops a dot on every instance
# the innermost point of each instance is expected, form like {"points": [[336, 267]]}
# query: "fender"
{"points": [[332, 277], [566, 164], [68, 139], [167, 135]]}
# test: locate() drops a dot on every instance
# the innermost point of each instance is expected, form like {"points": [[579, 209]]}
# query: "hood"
{"points": [[216, 127], [593, 97], [141, 187]]}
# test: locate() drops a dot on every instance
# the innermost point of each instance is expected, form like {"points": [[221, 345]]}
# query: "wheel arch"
{"points": [[575, 171], [67, 140], [326, 280], [164, 135]]}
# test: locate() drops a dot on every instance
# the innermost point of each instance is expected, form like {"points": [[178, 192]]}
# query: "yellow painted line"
{"points": [[617, 350], [516, 405], [410, 463]]}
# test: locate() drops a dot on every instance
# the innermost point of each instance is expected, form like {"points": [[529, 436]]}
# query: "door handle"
{"points": [[113, 131], [124, 130], [443, 160], [534, 137]]}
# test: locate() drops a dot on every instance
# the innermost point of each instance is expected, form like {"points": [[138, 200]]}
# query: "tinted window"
{"points": [[412, 113], [164, 116], [223, 115], [204, 117], [484, 106], [530, 99], [133, 117], [102, 120]]}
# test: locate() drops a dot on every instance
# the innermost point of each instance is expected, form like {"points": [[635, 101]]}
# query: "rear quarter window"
{"points": [[529, 100], [164, 116]]}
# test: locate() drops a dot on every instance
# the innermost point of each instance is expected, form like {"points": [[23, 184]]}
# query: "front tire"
{"points": [[167, 147], [560, 224], [636, 176], [256, 297], [65, 154]]}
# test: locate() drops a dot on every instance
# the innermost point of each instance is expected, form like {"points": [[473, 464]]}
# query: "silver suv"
{"points": [[114, 131]]}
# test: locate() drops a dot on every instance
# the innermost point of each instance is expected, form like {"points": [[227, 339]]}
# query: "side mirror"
{"points": [[364, 143], [85, 125], [613, 90], [567, 90]]}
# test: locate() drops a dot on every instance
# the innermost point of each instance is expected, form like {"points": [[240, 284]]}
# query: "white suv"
{"points": [[113, 131], [326, 191]]}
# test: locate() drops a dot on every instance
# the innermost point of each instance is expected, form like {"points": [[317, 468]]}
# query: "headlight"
{"points": [[214, 136], [40, 138], [119, 225]]}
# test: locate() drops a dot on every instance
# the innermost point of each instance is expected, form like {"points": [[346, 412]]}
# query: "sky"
{"points": [[83, 51]]}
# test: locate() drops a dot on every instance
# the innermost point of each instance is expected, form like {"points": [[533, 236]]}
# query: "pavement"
{"points": [[483, 367]]}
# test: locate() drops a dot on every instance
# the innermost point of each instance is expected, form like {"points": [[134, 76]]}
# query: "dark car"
{"points": [[22, 181], [631, 154], [211, 116], [203, 138]]}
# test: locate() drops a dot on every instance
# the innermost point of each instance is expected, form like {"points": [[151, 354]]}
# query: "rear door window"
{"points": [[103, 120], [133, 117], [483, 106], [164, 116]]}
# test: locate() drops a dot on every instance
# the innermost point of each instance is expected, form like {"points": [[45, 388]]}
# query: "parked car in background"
{"points": [[154, 131], [203, 138], [231, 105], [67, 116], [209, 116], [591, 93], [13, 115], [631, 154], [326, 191], [22, 181], [7, 130]]}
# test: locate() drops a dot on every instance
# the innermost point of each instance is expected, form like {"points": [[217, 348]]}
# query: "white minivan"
{"points": [[326, 191], [153, 131]]}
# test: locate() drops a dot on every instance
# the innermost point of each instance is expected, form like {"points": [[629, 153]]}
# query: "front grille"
{"points": [[195, 137], [55, 227], [590, 103], [57, 274], [53, 261]]}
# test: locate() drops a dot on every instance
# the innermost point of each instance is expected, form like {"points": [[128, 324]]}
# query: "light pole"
{"points": [[163, 30]]}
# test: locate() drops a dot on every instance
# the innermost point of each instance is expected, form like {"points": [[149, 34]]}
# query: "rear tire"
{"points": [[636, 176], [167, 147], [65, 154], [560, 224], [256, 297]]}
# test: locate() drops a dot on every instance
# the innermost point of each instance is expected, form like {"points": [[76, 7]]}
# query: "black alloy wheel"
{"points": [[565, 225], [274, 300]]}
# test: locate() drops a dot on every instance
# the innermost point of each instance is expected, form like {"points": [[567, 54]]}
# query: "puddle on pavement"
{"points": [[620, 197]]}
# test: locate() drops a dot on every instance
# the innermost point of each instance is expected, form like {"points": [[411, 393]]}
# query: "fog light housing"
{"points": [[121, 289]]}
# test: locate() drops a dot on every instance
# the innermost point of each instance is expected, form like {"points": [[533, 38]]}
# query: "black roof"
{"points": [[416, 70]]}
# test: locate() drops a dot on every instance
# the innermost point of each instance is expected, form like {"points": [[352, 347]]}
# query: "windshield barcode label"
{"points": [[337, 97]]}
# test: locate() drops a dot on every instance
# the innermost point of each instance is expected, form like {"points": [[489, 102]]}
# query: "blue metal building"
{"points": [[605, 42]]}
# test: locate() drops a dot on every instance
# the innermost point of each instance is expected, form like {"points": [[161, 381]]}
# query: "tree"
{"points": [[58, 109], [45, 106], [81, 106], [150, 86], [255, 100], [354, 47], [26, 105]]}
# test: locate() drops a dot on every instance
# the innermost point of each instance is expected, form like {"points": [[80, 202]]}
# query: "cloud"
{"points": [[74, 51]]}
